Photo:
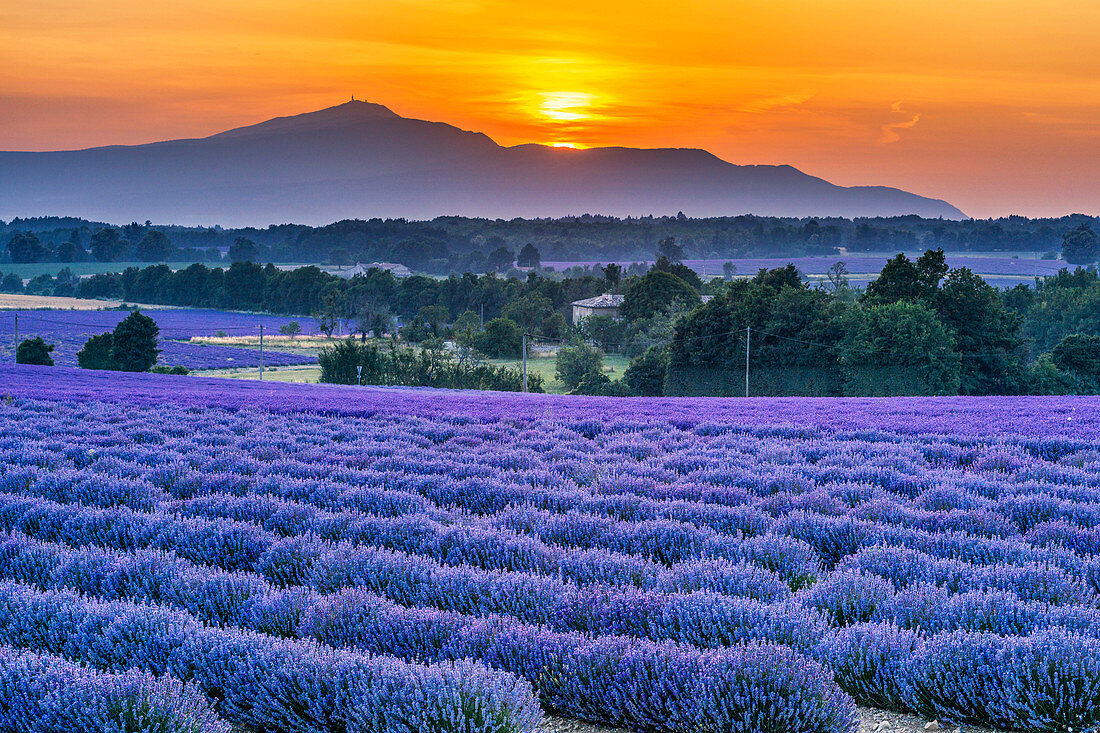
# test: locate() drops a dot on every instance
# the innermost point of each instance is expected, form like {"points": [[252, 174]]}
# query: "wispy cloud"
{"points": [[891, 131]]}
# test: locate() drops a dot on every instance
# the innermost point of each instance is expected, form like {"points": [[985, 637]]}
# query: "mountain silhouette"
{"points": [[361, 160]]}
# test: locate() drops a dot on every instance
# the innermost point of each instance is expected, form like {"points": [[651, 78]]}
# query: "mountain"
{"points": [[361, 160]]}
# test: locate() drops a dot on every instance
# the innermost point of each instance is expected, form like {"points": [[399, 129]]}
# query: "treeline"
{"points": [[349, 304], [456, 245], [918, 329], [351, 362]]}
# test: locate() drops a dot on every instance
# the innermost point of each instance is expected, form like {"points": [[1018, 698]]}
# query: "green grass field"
{"points": [[614, 366]]}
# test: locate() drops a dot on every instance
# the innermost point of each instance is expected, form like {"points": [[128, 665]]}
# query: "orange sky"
{"points": [[993, 105]]}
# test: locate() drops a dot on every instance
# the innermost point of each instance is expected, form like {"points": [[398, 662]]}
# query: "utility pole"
{"points": [[748, 337], [483, 315], [524, 361], [262, 355], [17, 337]]}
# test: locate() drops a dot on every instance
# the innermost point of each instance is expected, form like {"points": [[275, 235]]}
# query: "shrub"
{"points": [[34, 351]]}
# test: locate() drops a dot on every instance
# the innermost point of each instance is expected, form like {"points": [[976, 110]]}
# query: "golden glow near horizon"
{"points": [[993, 105]]}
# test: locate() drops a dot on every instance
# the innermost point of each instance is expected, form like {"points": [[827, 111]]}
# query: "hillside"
{"points": [[361, 160]]}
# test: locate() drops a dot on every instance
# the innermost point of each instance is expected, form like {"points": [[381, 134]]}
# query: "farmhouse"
{"points": [[601, 305]]}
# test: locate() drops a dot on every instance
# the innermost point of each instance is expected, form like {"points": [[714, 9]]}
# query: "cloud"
{"points": [[890, 131]]}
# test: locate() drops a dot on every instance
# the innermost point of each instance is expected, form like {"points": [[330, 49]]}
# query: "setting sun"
{"points": [[565, 106]]}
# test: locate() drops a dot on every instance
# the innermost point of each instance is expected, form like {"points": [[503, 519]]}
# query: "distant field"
{"points": [[82, 269], [999, 268], [11, 301], [68, 330]]}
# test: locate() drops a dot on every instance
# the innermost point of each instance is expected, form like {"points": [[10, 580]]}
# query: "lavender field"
{"points": [[998, 271], [338, 559], [69, 330]]}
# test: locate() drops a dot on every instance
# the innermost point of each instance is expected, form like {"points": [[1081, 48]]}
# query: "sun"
{"points": [[569, 146], [566, 106]]}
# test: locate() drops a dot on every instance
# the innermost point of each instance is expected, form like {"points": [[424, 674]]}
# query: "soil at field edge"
{"points": [[871, 721]]}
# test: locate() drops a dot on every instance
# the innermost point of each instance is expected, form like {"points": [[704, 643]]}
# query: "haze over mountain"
{"points": [[361, 160]]}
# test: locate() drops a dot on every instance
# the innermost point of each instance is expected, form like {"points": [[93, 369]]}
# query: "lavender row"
{"points": [[701, 618], [661, 687], [835, 538], [43, 692], [1050, 427], [653, 685], [1046, 682], [267, 684]]}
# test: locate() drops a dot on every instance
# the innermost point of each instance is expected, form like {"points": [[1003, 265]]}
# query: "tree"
{"points": [[96, 353], [34, 351], [502, 337], [669, 249], [291, 329], [900, 348], [70, 251], [646, 375], [655, 292], [134, 346], [613, 274], [244, 250], [529, 256], [339, 257], [1080, 246], [107, 245], [530, 311], [728, 271], [609, 333], [11, 283], [575, 360], [500, 259], [838, 277], [154, 247], [903, 279], [986, 333], [466, 328], [1080, 354], [25, 247]]}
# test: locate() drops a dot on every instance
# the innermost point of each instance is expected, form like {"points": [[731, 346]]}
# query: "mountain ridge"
{"points": [[360, 159]]}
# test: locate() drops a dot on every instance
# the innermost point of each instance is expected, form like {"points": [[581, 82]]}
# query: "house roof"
{"points": [[607, 300]]}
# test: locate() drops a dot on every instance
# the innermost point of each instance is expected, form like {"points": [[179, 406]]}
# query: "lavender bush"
{"points": [[667, 565]]}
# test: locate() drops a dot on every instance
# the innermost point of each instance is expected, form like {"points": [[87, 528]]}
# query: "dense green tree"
{"points": [[575, 360], [502, 338], [529, 256], [245, 250], [34, 351], [612, 274], [529, 311], [70, 251], [291, 329], [26, 247], [787, 276], [1080, 354], [11, 283], [607, 332], [154, 247], [107, 245], [646, 374], [903, 279], [96, 353], [668, 248], [657, 291], [1081, 246], [134, 343], [500, 259], [987, 334], [900, 348]]}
